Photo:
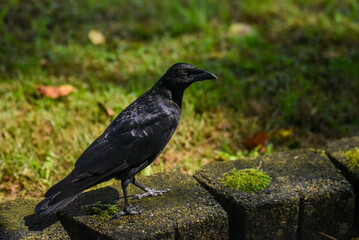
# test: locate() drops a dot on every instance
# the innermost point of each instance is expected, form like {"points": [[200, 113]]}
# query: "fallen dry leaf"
{"points": [[105, 109], [263, 149], [109, 111], [257, 139], [54, 92], [96, 37]]}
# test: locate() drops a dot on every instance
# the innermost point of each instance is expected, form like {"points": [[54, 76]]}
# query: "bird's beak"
{"points": [[204, 75]]}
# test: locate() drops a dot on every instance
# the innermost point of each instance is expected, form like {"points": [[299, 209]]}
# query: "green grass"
{"points": [[297, 68]]}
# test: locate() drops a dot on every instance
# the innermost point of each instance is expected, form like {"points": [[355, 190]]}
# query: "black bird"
{"points": [[130, 143]]}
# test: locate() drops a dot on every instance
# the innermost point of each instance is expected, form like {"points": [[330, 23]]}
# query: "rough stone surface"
{"points": [[17, 221], [188, 211], [336, 151], [306, 199]]}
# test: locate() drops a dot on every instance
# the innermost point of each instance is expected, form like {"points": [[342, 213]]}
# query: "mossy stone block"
{"points": [[337, 152], [187, 211], [18, 221], [305, 199]]}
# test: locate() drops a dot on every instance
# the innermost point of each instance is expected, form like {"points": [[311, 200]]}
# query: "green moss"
{"points": [[101, 211], [246, 180], [353, 156]]}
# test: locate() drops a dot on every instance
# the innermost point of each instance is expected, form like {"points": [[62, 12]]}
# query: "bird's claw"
{"points": [[152, 192], [127, 211]]}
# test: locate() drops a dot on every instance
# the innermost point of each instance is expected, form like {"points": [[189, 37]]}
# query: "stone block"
{"points": [[307, 198], [187, 211], [337, 152], [18, 221]]}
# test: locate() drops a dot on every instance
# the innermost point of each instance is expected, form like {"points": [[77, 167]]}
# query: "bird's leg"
{"points": [[148, 191], [127, 210]]}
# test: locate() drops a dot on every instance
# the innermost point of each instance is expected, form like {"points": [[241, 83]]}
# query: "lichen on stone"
{"points": [[353, 157], [246, 180], [101, 211]]}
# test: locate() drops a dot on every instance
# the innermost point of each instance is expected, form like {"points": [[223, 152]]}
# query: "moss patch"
{"points": [[101, 211], [246, 180], [353, 156]]}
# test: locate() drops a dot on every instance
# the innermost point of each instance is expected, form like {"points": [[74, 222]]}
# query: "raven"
{"points": [[130, 143]]}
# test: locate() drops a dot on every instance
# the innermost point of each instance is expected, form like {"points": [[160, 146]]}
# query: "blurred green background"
{"points": [[287, 69]]}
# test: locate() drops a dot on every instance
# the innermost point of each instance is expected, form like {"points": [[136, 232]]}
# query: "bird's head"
{"points": [[182, 75]]}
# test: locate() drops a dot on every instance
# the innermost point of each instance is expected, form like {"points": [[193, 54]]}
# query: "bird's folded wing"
{"points": [[130, 140]]}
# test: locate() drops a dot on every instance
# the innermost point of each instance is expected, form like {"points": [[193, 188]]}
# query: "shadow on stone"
{"points": [[18, 221], [107, 195], [35, 223], [77, 230]]}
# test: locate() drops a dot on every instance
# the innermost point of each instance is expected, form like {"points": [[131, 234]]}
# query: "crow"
{"points": [[132, 141]]}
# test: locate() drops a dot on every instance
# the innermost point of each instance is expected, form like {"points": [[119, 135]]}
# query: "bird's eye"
{"points": [[185, 71]]}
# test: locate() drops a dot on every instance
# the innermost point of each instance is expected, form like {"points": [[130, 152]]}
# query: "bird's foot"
{"points": [[152, 192], [127, 211]]}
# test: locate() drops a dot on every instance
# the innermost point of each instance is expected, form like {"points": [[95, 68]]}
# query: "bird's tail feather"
{"points": [[47, 206], [66, 191]]}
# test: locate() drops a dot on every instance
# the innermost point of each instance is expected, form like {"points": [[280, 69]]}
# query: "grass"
{"points": [[296, 67]]}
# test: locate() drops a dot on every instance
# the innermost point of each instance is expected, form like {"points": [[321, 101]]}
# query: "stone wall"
{"points": [[313, 194]]}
